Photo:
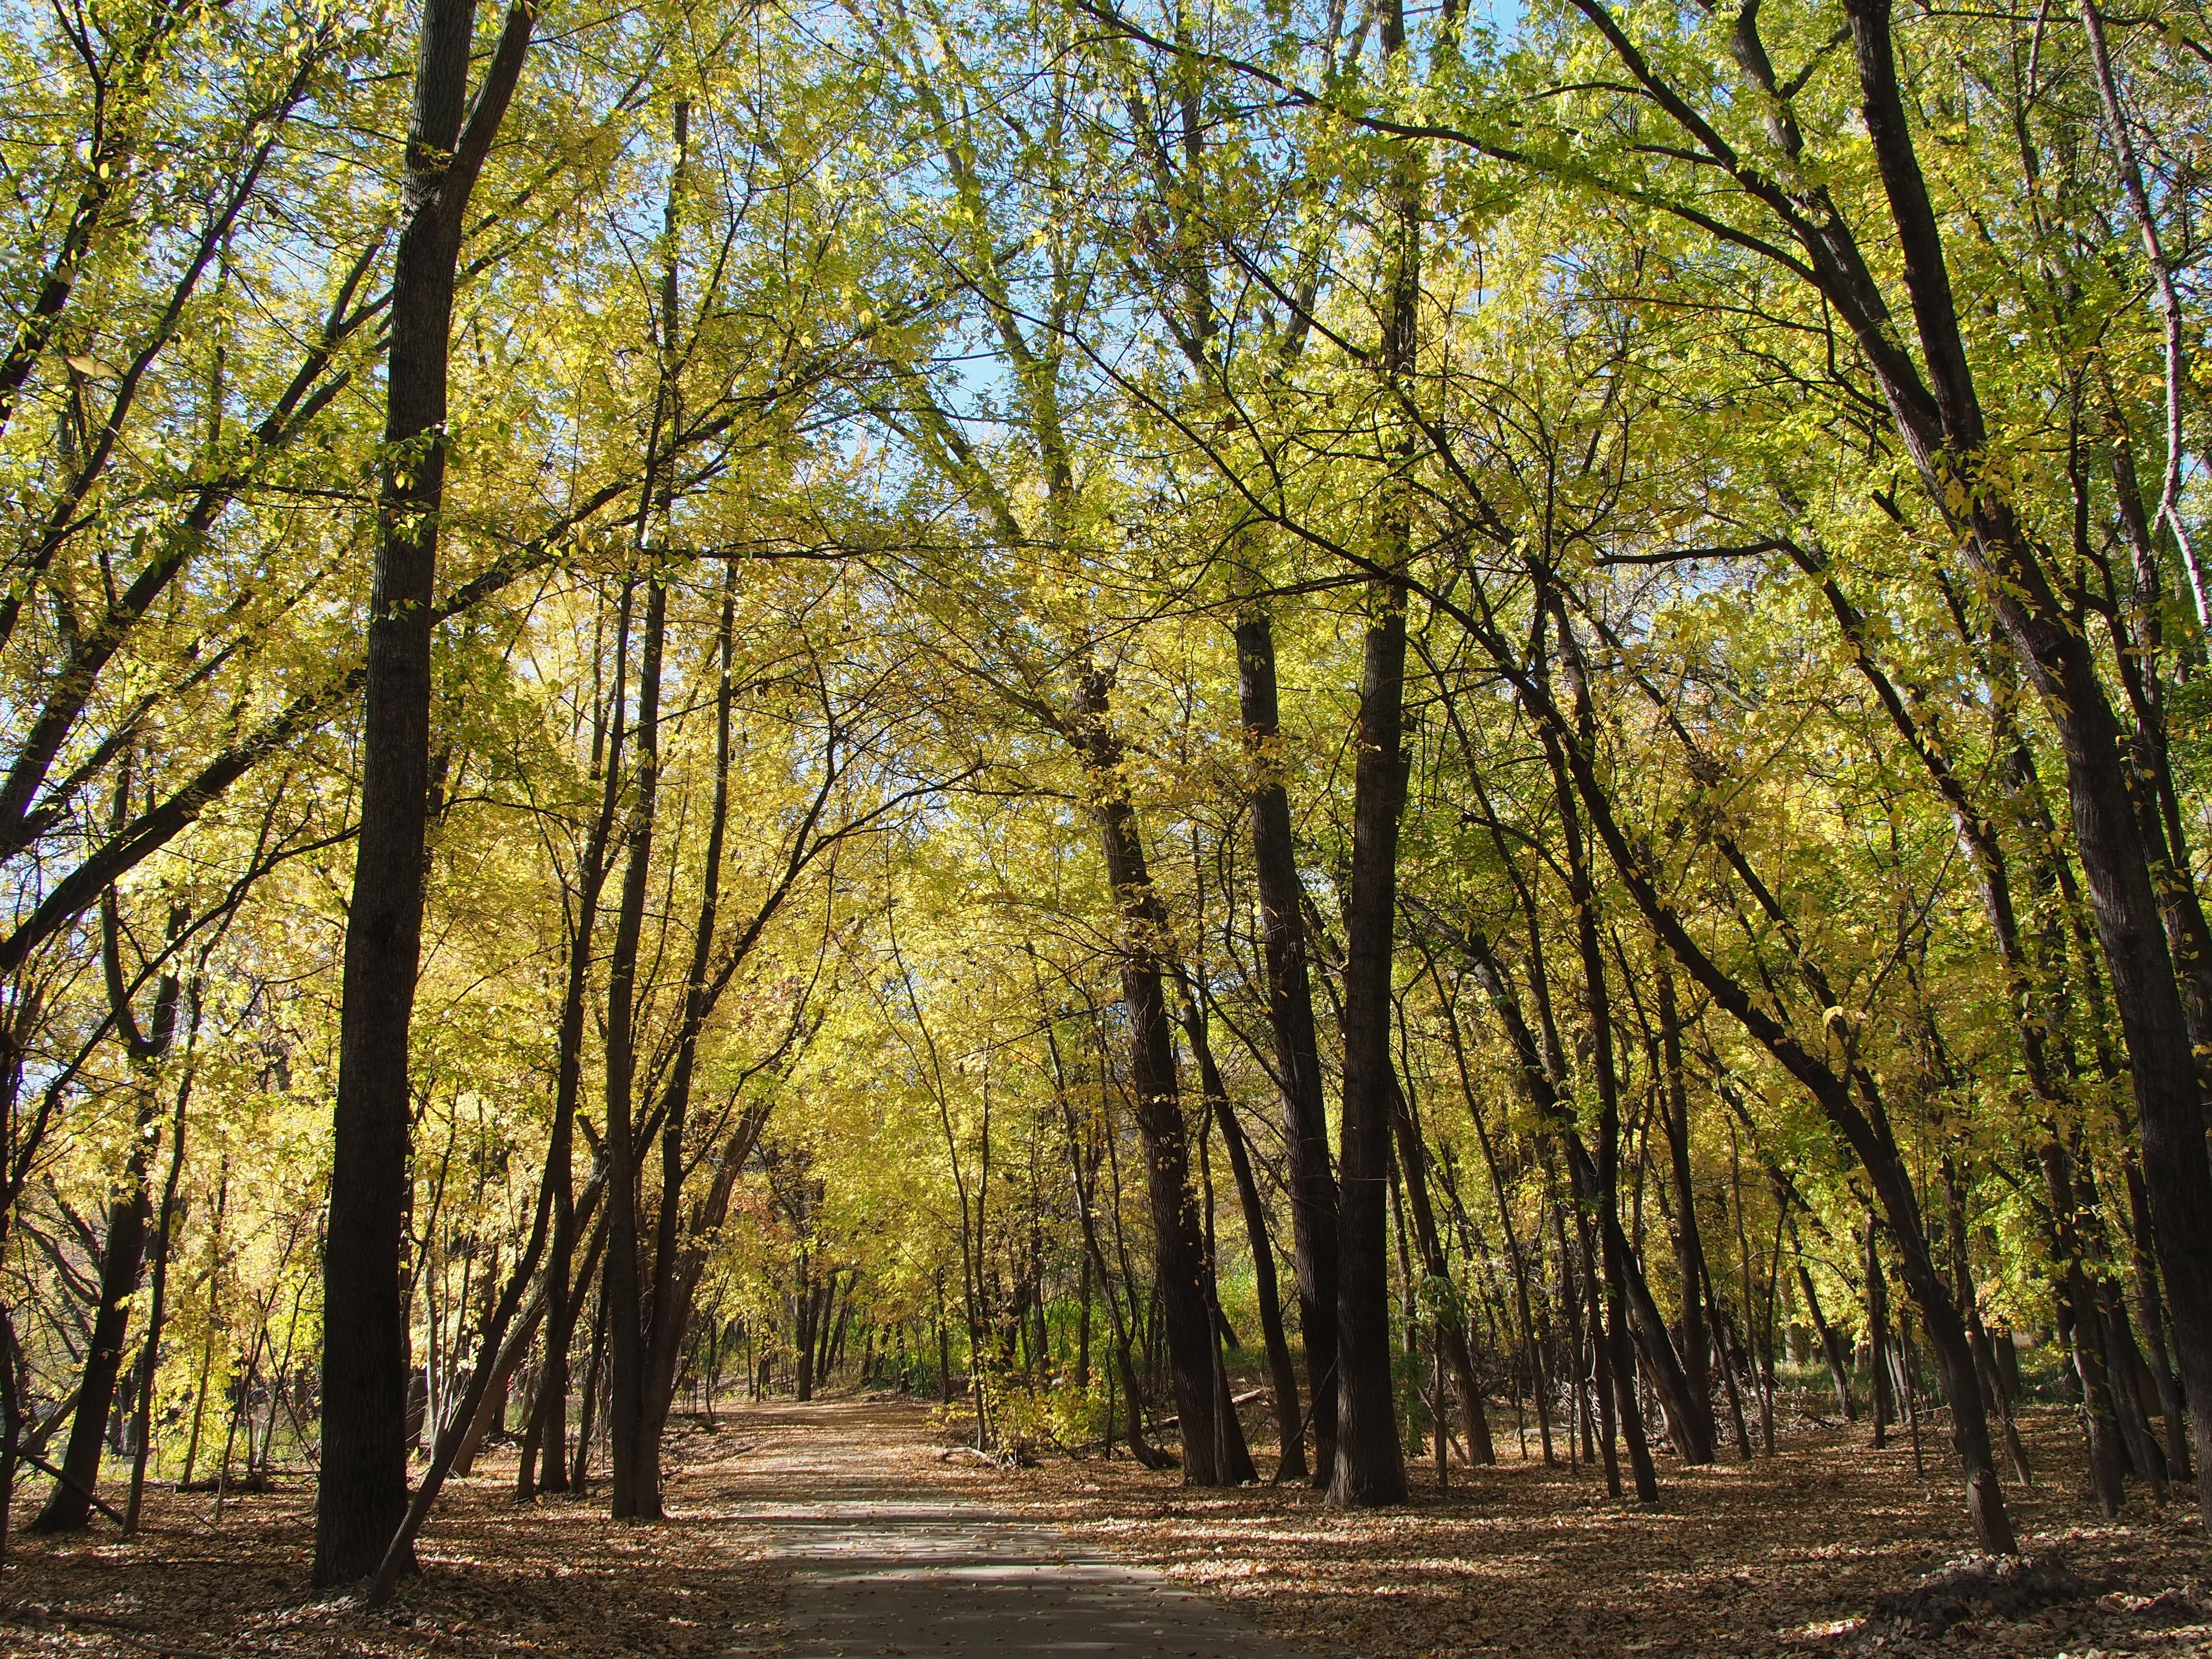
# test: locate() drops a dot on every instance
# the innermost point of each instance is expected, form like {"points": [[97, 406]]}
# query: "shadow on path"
{"points": [[882, 1565]]}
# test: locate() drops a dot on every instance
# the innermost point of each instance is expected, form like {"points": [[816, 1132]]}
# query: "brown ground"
{"points": [[558, 1580], [1782, 1557]]}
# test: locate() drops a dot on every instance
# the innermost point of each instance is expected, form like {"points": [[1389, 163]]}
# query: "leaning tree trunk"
{"points": [[1214, 1453], [123, 1252], [550, 1417], [1291, 1464], [361, 1493], [1688, 1238], [1291, 1017], [69, 1506], [1450, 1315], [1944, 431]]}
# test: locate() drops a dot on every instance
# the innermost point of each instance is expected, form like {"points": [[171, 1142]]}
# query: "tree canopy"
{"points": [[1074, 705]]}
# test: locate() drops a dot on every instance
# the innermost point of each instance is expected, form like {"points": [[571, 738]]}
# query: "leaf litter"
{"points": [[1830, 1547]]}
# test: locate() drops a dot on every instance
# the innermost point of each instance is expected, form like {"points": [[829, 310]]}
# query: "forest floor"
{"points": [[1784, 1556]]}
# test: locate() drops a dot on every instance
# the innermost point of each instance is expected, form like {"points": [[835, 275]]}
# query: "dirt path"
{"points": [[883, 1560]]}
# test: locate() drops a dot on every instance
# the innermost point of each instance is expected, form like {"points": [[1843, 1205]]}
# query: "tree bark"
{"points": [[1290, 1460], [1688, 1239], [1449, 1316], [123, 1251], [633, 1495], [1179, 1245], [1943, 430], [1291, 1017], [1831, 1345], [361, 1493], [552, 1420]]}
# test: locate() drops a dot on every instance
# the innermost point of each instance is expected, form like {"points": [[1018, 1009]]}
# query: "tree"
{"points": [[362, 1495]]}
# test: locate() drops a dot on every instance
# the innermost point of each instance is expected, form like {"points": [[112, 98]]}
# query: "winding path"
{"points": [[880, 1563]]}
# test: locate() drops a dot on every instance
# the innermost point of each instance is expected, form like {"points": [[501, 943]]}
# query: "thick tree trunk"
{"points": [[1291, 1017], [362, 1494], [1370, 1467]]}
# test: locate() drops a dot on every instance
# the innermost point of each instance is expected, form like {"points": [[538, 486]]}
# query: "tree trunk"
{"points": [[1179, 1246], [2151, 1313], [1877, 1297], [1943, 430], [669, 1313], [362, 1494], [1851, 1102], [1831, 1345], [149, 1344], [123, 1251], [676, 1250], [1370, 1467], [1290, 1462], [1449, 1313], [634, 1494], [1688, 1240], [69, 1506], [1291, 1017], [551, 1417]]}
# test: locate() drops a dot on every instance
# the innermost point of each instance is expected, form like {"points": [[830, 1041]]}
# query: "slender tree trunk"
{"points": [[1086, 1216], [2150, 1312], [670, 1312], [69, 1507], [1179, 1246], [551, 1417], [1831, 1345], [1450, 1313], [149, 1349], [1689, 1240], [595, 1393], [1290, 1462], [677, 1259], [123, 1251], [1689, 1418], [630, 1498], [1291, 1017], [2081, 1329]]}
